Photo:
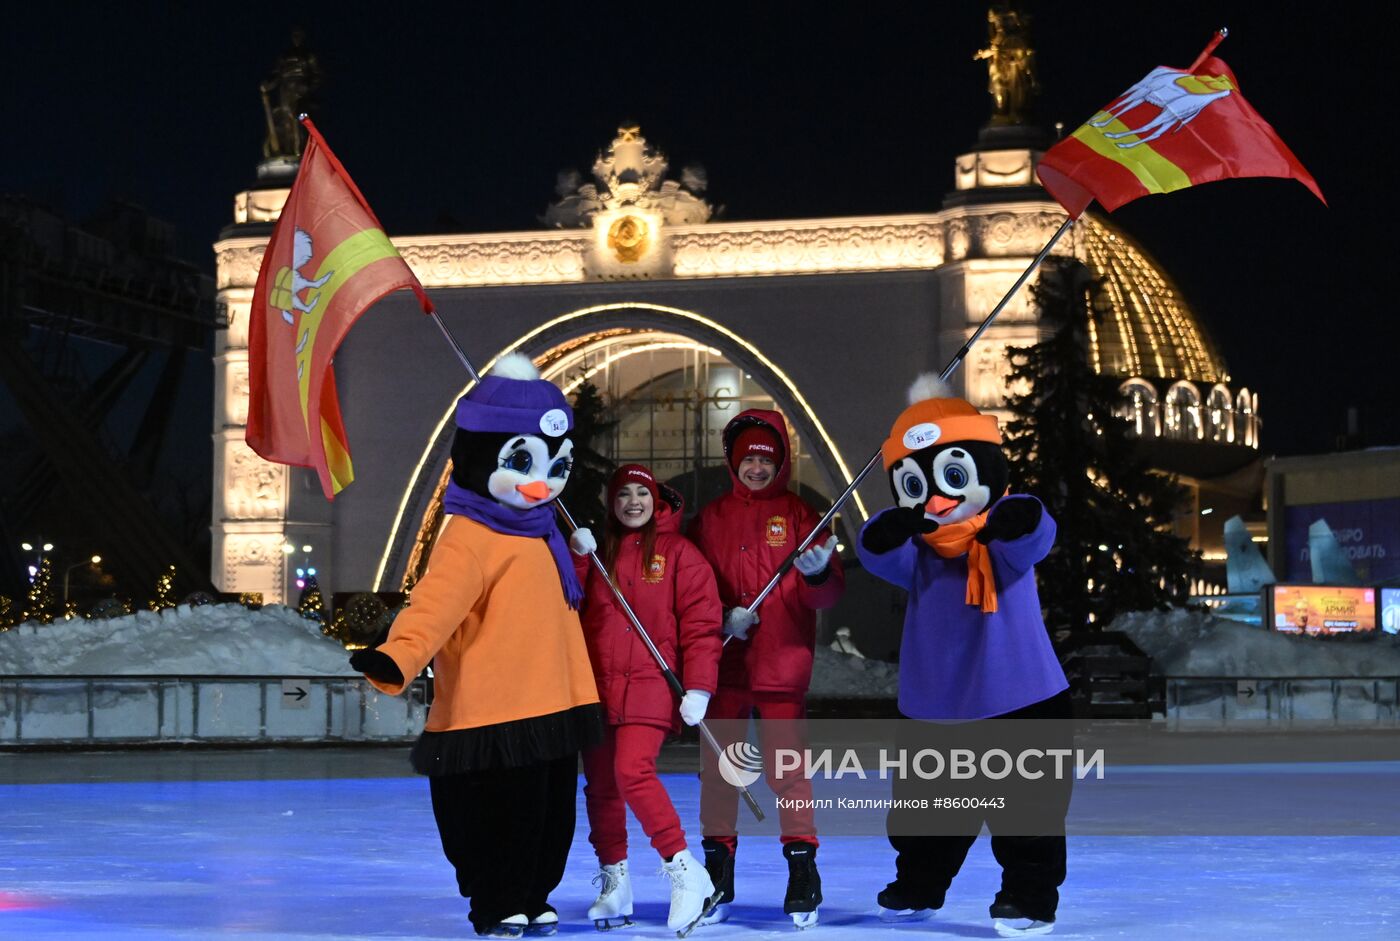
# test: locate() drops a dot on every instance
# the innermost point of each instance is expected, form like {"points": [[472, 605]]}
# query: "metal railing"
{"points": [[66, 710], [1293, 702]]}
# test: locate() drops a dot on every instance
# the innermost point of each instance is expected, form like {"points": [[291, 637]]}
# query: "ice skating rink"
{"points": [[331, 844]]}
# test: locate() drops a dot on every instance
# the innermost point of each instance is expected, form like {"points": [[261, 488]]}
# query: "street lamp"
{"points": [[305, 570], [39, 552], [68, 571]]}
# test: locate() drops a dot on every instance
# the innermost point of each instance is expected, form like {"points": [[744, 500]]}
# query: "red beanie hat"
{"points": [[760, 440], [633, 474]]}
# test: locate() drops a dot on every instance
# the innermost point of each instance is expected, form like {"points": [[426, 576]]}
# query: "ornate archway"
{"points": [[687, 369]]}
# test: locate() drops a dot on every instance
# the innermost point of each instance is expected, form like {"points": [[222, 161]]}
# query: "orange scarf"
{"points": [[957, 539]]}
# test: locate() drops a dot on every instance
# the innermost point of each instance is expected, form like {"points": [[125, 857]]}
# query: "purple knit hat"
{"points": [[514, 399]]}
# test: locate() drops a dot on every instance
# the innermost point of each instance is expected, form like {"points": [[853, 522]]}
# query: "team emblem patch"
{"points": [[655, 570], [554, 422], [776, 531], [921, 436]]}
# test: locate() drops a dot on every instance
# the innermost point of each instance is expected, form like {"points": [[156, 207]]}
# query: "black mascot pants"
{"points": [[507, 833], [1028, 829]]}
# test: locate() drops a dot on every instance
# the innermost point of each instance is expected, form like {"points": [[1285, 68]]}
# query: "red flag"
{"points": [[1175, 128], [328, 260]]}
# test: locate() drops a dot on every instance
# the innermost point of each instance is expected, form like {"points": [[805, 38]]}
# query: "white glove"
{"points": [[738, 621], [693, 706], [815, 560], [582, 542]]}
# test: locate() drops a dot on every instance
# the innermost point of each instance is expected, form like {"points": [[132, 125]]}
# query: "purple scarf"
{"points": [[537, 521]]}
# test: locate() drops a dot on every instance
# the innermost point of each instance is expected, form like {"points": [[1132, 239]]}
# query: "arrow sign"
{"points": [[294, 694], [1245, 691]]}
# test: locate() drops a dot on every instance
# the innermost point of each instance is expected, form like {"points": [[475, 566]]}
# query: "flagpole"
{"points": [[456, 347], [1215, 40], [666, 672], [875, 461], [671, 678]]}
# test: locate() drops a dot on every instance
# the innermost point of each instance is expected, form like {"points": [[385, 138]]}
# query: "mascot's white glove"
{"points": [[693, 706], [815, 560], [738, 621], [582, 542]]}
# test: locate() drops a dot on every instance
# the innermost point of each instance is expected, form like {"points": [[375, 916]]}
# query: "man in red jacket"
{"points": [[746, 535]]}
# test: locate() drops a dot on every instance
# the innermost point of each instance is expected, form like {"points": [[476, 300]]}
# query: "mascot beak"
{"points": [[534, 491], [941, 505]]}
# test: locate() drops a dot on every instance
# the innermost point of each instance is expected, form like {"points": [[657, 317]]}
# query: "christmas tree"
{"points": [[1115, 550], [165, 591], [41, 600], [588, 482], [311, 606]]}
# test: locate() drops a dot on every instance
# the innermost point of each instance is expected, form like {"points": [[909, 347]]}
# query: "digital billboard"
{"points": [[1323, 609], [1390, 610]]}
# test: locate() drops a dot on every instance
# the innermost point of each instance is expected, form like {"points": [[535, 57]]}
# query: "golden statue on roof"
{"points": [[1010, 64]]}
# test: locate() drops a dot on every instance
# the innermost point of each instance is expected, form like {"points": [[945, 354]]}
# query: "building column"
{"points": [[250, 520]]}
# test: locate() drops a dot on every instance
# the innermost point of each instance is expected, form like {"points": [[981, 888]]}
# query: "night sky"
{"points": [[458, 117]]}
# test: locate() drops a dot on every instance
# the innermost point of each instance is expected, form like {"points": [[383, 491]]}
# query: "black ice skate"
{"points": [[898, 902], [1010, 922], [719, 863], [804, 888]]}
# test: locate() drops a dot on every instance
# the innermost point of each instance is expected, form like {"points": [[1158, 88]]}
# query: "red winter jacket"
{"points": [[676, 602], [746, 535]]}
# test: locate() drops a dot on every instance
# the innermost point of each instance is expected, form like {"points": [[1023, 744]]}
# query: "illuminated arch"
{"points": [[1181, 412], [634, 315], [1245, 429], [1139, 405], [1220, 418]]}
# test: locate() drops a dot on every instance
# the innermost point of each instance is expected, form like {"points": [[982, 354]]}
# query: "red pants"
{"points": [[623, 768], [780, 726]]}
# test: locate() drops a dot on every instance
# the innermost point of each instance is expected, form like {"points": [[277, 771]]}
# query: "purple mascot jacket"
{"points": [[956, 663]]}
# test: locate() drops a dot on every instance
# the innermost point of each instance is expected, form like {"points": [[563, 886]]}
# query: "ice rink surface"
{"points": [[324, 846]]}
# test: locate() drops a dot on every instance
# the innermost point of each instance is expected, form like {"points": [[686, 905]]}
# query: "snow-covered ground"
{"points": [[230, 640], [208, 640], [1197, 643], [841, 675]]}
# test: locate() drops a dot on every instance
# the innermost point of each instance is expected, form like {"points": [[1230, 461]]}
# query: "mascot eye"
{"points": [[518, 461], [955, 477], [913, 486], [561, 467]]}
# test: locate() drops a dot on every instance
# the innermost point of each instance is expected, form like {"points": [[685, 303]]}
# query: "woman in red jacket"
{"points": [[746, 535], [671, 589]]}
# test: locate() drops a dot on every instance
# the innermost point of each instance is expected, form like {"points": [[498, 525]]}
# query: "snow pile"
{"points": [[1186, 642], [842, 676], [209, 640], [230, 640]]}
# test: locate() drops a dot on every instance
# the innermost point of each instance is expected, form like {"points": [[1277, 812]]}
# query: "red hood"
{"points": [[774, 422], [669, 509]]}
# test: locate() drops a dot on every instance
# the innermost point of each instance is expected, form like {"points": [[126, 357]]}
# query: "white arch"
{"points": [[1220, 419], [1244, 418], [773, 369], [1139, 406], [1181, 411]]}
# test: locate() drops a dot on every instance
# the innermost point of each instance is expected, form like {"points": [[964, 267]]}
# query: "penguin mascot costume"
{"points": [[974, 649], [497, 616]]}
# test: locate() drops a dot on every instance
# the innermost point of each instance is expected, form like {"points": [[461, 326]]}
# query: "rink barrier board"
{"points": [[1198, 703], [66, 710], [69, 710]]}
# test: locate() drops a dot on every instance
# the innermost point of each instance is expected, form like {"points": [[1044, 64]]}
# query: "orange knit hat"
{"points": [[934, 416]]}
